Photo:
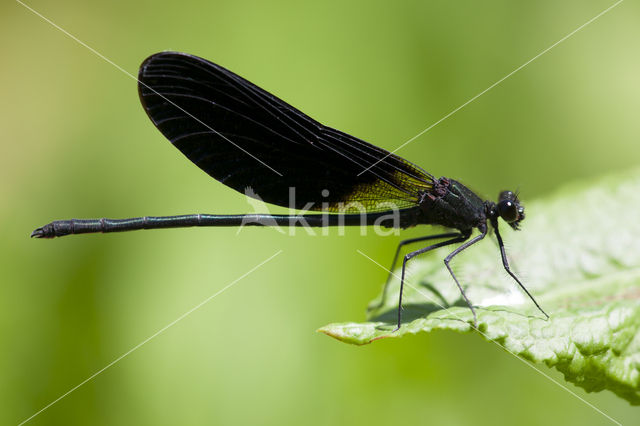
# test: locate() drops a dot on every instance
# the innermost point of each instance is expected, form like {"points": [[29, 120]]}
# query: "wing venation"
{"points": [[217, 118]]}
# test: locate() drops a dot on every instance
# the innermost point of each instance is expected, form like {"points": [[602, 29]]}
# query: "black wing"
{"points": [[249, 139]]}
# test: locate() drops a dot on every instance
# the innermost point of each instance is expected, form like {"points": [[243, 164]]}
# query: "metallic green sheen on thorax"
{"points": [[453, 205]]}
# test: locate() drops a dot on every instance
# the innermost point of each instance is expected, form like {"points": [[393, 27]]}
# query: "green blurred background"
{"points": [[76, 143]]}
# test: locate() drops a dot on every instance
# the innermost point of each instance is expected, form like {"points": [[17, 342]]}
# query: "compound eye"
{"points": [[508, 211]]}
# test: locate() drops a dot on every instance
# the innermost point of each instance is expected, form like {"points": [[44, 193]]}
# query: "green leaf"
{"points": [[578, 254]]}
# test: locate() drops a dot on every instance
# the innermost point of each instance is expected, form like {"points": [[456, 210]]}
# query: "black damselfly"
{"points": [[247, 138]]}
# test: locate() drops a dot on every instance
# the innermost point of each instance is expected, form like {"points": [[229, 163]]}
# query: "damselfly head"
{"points": [[510, 209]]}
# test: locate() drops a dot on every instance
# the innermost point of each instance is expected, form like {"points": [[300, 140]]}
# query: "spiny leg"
{"points": [[448, 259], [460, 238], [395, 260], [505, 263]]}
